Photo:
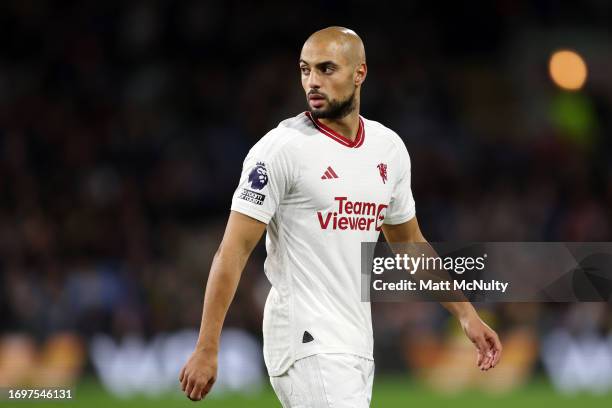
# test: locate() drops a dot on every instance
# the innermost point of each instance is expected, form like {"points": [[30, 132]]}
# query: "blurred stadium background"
{"points": [[123, 126]]}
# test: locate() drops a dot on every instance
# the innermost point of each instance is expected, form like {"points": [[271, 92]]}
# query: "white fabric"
{"points": [[321, 198], [326, 380]]}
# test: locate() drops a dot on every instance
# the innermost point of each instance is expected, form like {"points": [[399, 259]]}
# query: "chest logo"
{"points": [[382, 169], [329, 174], [353, 215]]}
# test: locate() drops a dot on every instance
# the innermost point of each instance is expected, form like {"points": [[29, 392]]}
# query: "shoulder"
{"points": [[383, 132], [299, 124], [284, 139]]}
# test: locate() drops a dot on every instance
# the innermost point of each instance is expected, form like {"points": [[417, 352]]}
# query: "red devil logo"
{"points": [[382, 169]]}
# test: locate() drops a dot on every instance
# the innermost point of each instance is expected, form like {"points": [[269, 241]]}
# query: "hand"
{"points": [[485, 339], [199, 374]]}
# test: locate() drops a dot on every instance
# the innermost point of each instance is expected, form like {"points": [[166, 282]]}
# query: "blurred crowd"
{"points": [[123, 127]]}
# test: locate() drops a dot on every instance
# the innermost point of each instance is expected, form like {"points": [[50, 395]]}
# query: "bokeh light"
{"points": [[567, 70]]}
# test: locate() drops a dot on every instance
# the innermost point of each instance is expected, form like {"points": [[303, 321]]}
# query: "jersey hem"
{"points": [[319, 350], [258, 215], [400, 220]]}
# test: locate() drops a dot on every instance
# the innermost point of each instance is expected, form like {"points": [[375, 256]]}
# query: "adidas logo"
{"points": [[329, 174]]}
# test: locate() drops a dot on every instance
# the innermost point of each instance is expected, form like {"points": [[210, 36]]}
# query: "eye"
{"points": [[305, 70], [328, 69]]}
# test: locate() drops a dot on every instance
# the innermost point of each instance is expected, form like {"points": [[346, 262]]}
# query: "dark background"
{"points": [[123, 127]]}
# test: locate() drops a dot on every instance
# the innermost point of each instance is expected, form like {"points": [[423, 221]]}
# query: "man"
{"points": [[320, 183]]}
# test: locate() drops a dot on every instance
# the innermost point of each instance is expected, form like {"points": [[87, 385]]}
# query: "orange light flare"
{"points": [[568, 70]]}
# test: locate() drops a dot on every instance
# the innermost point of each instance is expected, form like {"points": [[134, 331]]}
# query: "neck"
{"points": [[347, 126]]}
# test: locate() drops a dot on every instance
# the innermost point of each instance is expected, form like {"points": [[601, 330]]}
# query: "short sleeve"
{"points": [[402, 206], [263, 183]]}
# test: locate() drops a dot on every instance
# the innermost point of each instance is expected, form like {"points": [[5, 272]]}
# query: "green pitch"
{"points": [[393, 392]]}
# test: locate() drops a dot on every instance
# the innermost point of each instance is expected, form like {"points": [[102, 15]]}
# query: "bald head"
{"points": [[340, 41]]}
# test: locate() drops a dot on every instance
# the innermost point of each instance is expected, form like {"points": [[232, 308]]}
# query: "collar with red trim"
{"points": [[327, 131]]}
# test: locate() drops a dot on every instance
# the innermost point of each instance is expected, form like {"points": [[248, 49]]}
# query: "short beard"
{"points": [[336, 109]]}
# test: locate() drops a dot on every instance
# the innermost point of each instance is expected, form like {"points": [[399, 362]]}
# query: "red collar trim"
{"points": [[327, 131]]}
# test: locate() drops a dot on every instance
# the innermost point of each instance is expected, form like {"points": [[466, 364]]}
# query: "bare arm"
{"points": [[484, 338], [241, 235]]}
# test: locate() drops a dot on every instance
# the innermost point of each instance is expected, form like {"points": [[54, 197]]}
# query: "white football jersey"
{"points": [[321, 195]]}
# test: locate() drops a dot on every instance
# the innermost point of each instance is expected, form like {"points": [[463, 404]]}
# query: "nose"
{"points": [[313, 81]]}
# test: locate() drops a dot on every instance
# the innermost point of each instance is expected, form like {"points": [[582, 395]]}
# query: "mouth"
{"points": [[316, 100]]}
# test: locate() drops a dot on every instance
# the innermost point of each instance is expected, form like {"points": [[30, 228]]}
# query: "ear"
{"points": [[360, 73]]}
